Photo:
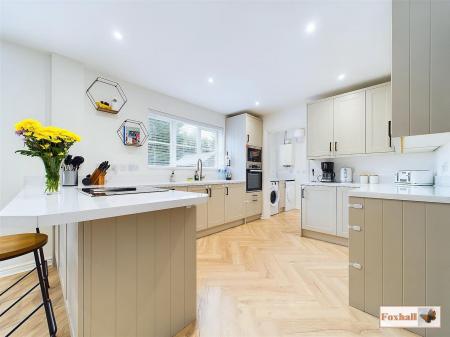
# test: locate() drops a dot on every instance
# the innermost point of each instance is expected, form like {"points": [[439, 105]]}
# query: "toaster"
{"points": [[415, 177]]}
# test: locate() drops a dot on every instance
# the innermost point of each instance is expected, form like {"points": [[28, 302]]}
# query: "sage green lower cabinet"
{"points": [[356, 253], [373, 224], [438, 264], [399, 254], [414, 219], [392, 252]]}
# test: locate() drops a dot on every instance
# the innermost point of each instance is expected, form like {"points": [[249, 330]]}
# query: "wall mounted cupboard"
{"points": [[420, 67], [349, 124]]}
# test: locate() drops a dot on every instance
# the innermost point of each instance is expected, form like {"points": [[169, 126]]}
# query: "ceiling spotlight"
{"points": [[117, 35], [256, 103], [341, 77], [310, 28], [210, 80]]}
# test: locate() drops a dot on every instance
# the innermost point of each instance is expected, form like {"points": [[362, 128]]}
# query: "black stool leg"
{"points": [[44, 263], [51, 321]]}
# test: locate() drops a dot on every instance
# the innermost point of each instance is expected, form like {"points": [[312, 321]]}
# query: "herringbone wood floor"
{"points": [[260, 279]]}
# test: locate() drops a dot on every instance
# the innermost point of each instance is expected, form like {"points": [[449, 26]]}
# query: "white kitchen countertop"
{"points": [[32, 207], [336, 184], [401, 192], [196, 183]]}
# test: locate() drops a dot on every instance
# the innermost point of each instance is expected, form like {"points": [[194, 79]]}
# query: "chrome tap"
{"points": [[200, 169]]}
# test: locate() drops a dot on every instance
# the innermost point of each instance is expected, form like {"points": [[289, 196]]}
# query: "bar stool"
{"points": [[12, 246]]}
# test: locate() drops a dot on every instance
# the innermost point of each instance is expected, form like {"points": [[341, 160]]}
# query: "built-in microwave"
{"points": [[254, 180], [254, 154]]}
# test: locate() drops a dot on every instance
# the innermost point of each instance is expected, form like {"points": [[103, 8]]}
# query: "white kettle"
{"points": [[346, 175]]}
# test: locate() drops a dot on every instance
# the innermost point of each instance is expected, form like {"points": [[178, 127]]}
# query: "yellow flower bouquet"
{"points": [[49, 143]]}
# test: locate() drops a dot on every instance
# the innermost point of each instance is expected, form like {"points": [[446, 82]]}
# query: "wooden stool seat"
{"points": [[12, 246]]}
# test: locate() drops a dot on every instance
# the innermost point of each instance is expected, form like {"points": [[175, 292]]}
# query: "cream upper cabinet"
{"points": [[216, 205], [234, 202], [378, 119], [320, 129], [350, 124], [420, 67], [254, 129], [319, 209]]}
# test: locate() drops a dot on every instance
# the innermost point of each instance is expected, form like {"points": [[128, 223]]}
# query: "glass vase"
{"points": [[52, 167]]}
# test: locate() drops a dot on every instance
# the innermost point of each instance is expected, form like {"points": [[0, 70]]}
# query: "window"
{"points": [[177, 143]]}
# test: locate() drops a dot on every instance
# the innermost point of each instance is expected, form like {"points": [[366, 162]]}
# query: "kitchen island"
{"points": [[398, 249], [127, 263]]}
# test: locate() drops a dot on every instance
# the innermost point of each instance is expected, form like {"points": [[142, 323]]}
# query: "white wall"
{"points": [[442, 162], [52, 89], [24, 93], [98, 129]]}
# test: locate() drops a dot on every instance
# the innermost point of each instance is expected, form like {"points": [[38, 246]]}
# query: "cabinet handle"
{"points": [[335, 146], [248, 139], [330, 147], [254, 200], [355, 228], [359, 206], [303, 193], [390, 133], [355, 265], [226, 189]]}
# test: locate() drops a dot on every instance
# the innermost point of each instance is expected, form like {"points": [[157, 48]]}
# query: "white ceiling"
{"points": [[254, 50]]}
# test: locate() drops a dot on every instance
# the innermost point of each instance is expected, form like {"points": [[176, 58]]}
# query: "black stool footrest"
{"points": [[19, 299], [24, 320]]}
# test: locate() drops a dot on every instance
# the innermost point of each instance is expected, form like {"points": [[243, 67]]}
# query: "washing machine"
{"points": [[274, 197]]}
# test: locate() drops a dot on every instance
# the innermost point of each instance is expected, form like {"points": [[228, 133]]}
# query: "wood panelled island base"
{"points": [[132, 275]]}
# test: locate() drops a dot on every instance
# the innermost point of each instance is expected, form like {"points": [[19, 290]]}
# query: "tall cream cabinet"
{"points": [[350, 124], [320, 128], [241, 131], [399, 255], [254, 130], [420, 67]]}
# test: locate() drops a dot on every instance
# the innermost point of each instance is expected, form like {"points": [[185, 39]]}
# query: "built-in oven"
{"points": [[254, 154], [254, 180]]}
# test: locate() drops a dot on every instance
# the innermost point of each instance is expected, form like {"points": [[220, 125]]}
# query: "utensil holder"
{"points": [[70, 178]]}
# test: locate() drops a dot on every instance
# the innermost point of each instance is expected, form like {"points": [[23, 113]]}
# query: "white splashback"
{"points": [[383, 165]]}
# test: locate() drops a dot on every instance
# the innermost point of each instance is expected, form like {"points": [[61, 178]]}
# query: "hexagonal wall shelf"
{"points": [[132, 133], [106, 95]]}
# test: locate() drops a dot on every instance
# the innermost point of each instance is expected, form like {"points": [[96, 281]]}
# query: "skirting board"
{"points": [[226, 226], [20, 268], [325, 237]]}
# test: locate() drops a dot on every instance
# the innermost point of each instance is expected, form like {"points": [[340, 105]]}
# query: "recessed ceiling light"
{"points": [[341, 77], [210, 80], [310, 27], [256, 103], [117, 35]]}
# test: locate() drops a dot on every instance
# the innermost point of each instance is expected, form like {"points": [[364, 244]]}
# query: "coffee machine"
{"points": [[327, 172]]}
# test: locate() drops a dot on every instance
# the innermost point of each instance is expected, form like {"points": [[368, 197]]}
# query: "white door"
{"points": [[342, 222], [378, 119], [254, 131], [320, 129], [350, 124], [319, 209]]}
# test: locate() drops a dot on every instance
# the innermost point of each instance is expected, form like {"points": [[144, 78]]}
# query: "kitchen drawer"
{"points": [[253, 204], [356, 253]]}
